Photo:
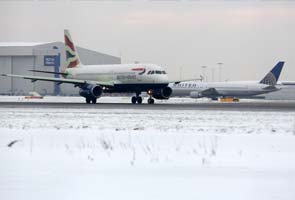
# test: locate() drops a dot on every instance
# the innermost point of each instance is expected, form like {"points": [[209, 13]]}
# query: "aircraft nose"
{"points": [[163, 78]]}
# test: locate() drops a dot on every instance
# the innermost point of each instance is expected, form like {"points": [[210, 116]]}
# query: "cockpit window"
{"points": [[156, 72]]}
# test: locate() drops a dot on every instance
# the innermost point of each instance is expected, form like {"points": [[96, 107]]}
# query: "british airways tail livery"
{"points": [[72, 57], [236, 89]]}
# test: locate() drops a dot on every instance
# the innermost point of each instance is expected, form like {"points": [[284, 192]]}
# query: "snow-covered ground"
{"points": [[119, 99], [146, 154]]}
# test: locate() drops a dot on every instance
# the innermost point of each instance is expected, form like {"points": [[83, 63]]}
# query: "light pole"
{"points": [[204, 72], [220, 68], [180, 73], [212, 71]]}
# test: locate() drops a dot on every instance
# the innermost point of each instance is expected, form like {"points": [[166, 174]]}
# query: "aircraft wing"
{"points": [[210, 92], [59, 80]]}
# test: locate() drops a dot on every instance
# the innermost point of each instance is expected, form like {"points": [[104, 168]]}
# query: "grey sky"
{"points": [[248, 37]]}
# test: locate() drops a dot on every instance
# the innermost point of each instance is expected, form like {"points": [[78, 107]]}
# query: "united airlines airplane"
{"points": [[236, 89], [94, 80]]}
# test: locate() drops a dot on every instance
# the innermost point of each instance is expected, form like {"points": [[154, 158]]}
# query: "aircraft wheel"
{"points": [[94, 101], [133, 100], [139, 100], [88, 100], [151, 101]]}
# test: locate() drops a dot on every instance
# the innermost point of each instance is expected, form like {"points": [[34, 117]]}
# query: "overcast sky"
{"points": [[249, 37]]}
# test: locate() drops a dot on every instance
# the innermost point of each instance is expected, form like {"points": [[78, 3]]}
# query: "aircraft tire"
{"points": [[94, 101], [151, 101], [88, 101], [133, 100], [139, 100]]}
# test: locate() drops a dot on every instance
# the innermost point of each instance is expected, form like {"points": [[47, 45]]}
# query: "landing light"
{"points": [[150, 92]]}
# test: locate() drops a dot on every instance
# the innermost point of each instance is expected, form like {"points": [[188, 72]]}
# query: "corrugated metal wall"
{"points": [[32, 57], [5, 66], [21, 65]]}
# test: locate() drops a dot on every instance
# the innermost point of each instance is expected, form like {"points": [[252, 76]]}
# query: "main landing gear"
{"points": [[136, 99], [91, 100]]}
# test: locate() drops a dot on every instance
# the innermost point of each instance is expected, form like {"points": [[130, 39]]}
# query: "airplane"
{"points": [[94, 80], [235, 89]]}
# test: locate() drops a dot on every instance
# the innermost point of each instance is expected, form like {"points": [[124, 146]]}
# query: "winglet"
{"points": [[273, 76]]}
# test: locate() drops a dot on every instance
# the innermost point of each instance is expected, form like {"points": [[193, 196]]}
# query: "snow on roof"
{"points": [[13, 44]]}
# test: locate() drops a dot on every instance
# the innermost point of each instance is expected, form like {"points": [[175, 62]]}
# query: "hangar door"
{"points": [[22, 65], [5, 68]]}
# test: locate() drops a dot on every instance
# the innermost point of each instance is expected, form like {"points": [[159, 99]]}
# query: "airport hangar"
{"points": [[19, 58]]}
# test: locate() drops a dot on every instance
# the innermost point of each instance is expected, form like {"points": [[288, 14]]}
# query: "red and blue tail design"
{"points": [[72, 57]]}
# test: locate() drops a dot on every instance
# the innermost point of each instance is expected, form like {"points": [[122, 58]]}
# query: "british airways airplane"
{"points": [[94, 80], [237, 89]]}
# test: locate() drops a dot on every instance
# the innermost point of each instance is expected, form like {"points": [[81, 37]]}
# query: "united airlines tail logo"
{"points": [[140, 70], [269, 79]]}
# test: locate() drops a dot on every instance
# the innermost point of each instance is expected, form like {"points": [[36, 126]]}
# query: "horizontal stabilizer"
{"points": [[271, 88], [288, 82]]}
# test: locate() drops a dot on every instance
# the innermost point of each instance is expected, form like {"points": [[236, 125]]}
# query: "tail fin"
{"points": [[72, 57], [273, 76]]}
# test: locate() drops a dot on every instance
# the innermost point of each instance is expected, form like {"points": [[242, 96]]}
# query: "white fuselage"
{"points": [[232, 89], [120, 73]]}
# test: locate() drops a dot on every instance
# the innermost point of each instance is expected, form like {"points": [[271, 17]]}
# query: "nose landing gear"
{"points": [[150, 99]]}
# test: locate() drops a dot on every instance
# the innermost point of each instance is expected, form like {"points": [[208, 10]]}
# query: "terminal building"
{"points": [[19, 58]]}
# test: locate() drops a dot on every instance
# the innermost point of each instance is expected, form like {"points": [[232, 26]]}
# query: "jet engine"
{"points": [[162, 93], [91, 91], [196, 95]]}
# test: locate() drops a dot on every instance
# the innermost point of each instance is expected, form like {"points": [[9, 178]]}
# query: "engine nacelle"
{"points": [[196, 95], [164, 93], [91, 91]]}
